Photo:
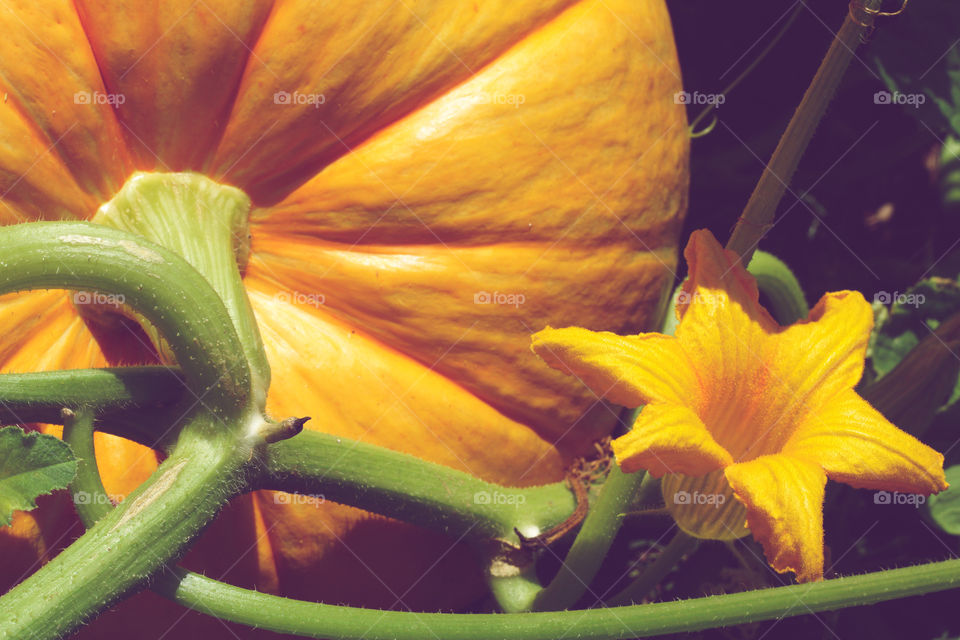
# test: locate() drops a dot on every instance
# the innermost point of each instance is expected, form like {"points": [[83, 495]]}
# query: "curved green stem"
{"points": [[679, 546], [163, 287], [147, 530], [410, 489], [777, 282], [39, 396], [89, 495], [747, 71], [314, 620], [592, 543]]}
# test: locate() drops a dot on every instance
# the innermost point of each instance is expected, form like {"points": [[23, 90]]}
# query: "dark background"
{"points": [[864, 156]]}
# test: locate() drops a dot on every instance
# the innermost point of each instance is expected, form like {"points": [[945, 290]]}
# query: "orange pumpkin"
{"points": [[463, 175]]}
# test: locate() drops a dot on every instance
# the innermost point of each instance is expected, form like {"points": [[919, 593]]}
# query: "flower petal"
{"points": [[715, 271], [827, 351], [669, 439], [784, 500], [728, 335], [704, 506], [856, 445], [628, 370]]}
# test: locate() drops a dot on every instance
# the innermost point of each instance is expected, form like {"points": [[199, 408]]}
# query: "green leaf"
{"points": [[31, 465], [918, 54], [944, 508], [912, 315]]}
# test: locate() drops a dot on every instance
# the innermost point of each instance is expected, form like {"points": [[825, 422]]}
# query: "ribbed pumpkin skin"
{"points": [[520, 148]]}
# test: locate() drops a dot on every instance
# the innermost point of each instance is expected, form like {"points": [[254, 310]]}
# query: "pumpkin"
{"points": [[463, 175]]}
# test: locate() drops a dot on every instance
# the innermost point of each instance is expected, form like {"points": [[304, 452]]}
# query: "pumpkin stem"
{"points": [[206, 223]]}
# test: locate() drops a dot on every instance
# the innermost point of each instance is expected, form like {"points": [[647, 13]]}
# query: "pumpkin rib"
{"points": [[339, 142], [619, 182], [235, 93], [351, 145], [138, 69], [12, 96], [77, 201], [373, 411], [42, 123], [484, 347]]}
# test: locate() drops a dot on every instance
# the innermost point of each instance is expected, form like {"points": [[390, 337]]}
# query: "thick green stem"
{"points": [[344, 623], [206, 223], [679, 546], [124, 391], [758, 214], [783, 291], [407, 488], [89, 495], [593, 541], [147, 530], [165, 289]]}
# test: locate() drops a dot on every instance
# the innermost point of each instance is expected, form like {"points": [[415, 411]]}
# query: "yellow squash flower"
{"points": [[761, 411]]}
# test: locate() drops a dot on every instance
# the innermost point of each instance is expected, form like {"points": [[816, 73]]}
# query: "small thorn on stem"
{"points": [[285, 429]]}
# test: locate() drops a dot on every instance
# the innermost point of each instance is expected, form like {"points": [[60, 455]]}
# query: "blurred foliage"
{"points": [[897, 60], [912, 316], [944, 508]]}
